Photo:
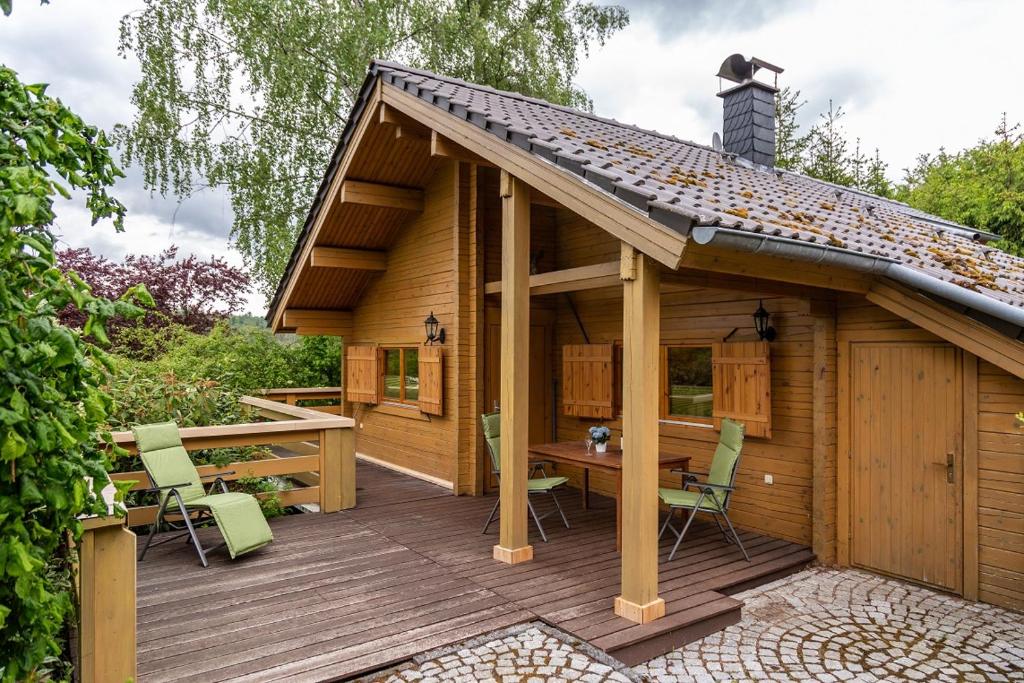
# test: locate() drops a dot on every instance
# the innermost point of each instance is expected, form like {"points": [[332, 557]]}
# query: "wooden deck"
{"points": [[408, 570]]}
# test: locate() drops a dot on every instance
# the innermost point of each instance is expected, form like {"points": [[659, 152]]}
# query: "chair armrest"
{"points": [[680, 470], [541, 462], [156, 489], [217, 475]]}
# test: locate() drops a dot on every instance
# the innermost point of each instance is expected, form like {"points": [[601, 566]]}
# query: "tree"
{"points": [[193, 293], [982, 187], [868, 173], [789, 144], [252, 95], [51, 401], [827, 157]]}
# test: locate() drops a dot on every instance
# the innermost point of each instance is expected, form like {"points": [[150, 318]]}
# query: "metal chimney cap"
{"points": [[739, 69]]}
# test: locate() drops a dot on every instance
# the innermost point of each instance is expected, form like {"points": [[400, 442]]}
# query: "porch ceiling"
{"points": [[377, 157]]}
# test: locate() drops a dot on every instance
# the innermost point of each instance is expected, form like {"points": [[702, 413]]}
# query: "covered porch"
{"points": [[408, 570]]}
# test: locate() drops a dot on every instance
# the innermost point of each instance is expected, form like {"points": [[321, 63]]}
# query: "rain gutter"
{"points": [[770, 245]]}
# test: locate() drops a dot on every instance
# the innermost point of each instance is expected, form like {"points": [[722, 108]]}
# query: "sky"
{"points": [[912, 76]]}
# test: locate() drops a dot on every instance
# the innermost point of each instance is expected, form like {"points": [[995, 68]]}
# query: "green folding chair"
{"points": [[175, 478], [711, 495], [534, 486]]}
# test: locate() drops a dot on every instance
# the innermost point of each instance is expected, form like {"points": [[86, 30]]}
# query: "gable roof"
{"points": [[714, 196]]}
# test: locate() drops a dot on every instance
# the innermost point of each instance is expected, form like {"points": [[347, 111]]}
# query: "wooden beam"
{"points": [[317, 322], [352, 259], [607, 212], [823, 420], [513, 546], [641, 317], [727, 261], [568, 280], [411, 133], [378, 194], [442, 147], [968, 334], [541, 199]]}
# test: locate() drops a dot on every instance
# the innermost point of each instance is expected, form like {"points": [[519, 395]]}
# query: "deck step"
{"points": [[711, 613]]}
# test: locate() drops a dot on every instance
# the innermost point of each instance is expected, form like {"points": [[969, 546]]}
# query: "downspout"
{"points": [[758, 243]]}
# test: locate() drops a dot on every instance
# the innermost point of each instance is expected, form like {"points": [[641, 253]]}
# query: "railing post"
{"points": [[106, 588], [337, 469]]}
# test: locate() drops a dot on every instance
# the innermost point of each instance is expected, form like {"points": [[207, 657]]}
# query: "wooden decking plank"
{"points": [[409, 570]]}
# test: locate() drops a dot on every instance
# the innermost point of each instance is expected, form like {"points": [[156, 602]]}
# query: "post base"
{"points": [[524, 554], [640, 614]]}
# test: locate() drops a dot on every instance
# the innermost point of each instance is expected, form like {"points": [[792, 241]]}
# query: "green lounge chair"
{"points": [[174, 477], [713, 494], [535, 486]]}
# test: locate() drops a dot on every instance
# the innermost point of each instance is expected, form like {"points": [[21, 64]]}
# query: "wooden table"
{"points": [[575, 453]]}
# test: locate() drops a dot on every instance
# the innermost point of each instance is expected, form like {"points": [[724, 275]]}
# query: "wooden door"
{"points": [[541, 333], [906, 446]]}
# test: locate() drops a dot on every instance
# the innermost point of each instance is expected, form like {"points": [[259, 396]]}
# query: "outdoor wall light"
{"points": [[434, 334], [765, 331]]}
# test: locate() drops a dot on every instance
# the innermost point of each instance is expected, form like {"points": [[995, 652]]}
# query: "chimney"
{"points": [[748, 110]]}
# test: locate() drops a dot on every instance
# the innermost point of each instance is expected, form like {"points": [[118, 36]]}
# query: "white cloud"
{"points": [[913, 76]]}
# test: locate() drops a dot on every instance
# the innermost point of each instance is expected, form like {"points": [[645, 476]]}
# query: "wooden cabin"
{"points": [[589, 272]]}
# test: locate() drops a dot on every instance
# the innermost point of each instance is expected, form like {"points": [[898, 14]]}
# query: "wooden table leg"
{"points": [[586, 488], [618, 512]]}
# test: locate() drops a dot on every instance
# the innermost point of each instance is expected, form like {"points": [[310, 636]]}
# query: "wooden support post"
{"points": [[513, 546], [639, 600], [823, 418], [106, 572], [337, 469]]}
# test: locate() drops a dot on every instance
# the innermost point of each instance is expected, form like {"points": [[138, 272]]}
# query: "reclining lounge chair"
{"points": [[175, 478]]}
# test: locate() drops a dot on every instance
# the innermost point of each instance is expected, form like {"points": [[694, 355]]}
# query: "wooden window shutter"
{"points": [[431, 380], [588, 380], [742, 378], [361, 374]]}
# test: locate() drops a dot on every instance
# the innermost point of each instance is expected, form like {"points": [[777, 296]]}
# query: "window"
{"points": [[401, 376], [687, 390]]}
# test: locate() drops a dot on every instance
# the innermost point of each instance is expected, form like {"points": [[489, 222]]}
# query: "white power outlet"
{"points": [[360, 425], [769, 479]]}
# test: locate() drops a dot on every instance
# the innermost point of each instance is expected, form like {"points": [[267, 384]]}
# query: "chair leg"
{"points": [[736, 536], [668, 518], [156, 525], [559, 508], [490, 518], [686, 527], [728, 538], [536, 520], [191, 529]]}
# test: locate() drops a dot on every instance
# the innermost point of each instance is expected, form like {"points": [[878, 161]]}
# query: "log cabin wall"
{"points": [[702, 316], [420, 278], [1000, 495]]}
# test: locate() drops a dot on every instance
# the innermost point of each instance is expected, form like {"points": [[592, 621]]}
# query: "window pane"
{"points": [[689, 382], [392, 373], [412, 375]]}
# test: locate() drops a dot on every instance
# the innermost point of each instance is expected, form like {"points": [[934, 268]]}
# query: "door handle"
{"points": [[950, 466]]}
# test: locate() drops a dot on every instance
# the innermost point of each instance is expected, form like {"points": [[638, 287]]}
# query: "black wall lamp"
{"points": [[765, 331], [434, 332]]}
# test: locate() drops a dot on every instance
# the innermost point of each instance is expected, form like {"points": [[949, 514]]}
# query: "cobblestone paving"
{"points": [[832, 625], [531, 653]]}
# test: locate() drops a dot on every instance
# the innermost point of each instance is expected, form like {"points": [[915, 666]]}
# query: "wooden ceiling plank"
{"points": [[317, 322], [351, 259], [377, 194]]}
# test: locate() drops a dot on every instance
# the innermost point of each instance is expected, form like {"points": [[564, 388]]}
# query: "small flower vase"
{"points": [[602, 447]]}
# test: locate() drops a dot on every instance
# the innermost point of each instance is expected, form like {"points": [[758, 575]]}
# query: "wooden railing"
{"points": [[292, 396], [324, 444], [320, 451]]}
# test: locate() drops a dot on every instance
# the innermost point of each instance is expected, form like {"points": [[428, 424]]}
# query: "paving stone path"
{"points": [[847, 625], [530, 653], [818, 625]]}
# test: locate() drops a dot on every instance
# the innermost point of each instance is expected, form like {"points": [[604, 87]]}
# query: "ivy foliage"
{"points": [[51, 402], [252, 95]]}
